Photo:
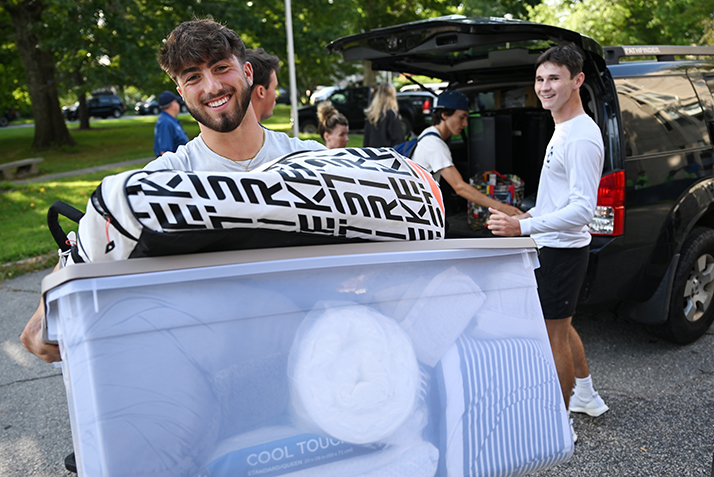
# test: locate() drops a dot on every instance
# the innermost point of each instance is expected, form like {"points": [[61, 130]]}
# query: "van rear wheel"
{"points": [[691, 307]]}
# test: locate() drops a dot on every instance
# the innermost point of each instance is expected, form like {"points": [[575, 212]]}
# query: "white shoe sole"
{"points": [[591, 412]]}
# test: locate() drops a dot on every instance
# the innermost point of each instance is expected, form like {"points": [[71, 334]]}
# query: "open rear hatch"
{"points": [[454, 48]]}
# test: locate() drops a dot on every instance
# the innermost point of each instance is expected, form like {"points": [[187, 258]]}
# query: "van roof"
{"points": [[613, 54]]}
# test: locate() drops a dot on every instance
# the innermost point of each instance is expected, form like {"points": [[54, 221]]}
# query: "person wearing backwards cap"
{"points": [[433, 154], [168, 133]]}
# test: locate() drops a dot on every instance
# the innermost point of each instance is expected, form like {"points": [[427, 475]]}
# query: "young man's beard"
{"points": [[229, 120]]}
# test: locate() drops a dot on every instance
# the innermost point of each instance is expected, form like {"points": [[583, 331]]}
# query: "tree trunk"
{"points": [[50, 128], [83, 111], [370, 76]]}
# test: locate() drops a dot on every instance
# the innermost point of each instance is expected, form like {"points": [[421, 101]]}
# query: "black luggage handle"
{"points": [[53, 214]]}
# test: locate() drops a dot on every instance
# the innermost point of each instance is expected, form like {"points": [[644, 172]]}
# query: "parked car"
{"points": [[98, 105], [9, 115], [433, 87], [653, 233], [283, 96], [322, 93], [349, 101], [151, 106], [414, 109]]}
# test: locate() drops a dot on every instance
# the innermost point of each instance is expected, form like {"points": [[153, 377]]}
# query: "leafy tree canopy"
{"points": [[517, 9], [98, 44], [13, 92], [631, 22]]}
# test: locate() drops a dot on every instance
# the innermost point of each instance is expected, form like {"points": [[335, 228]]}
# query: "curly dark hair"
{"points": [[199, 41]]}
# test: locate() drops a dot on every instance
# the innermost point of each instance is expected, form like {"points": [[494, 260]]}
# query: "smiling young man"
{"points": [[207, 61], [565, 205]]}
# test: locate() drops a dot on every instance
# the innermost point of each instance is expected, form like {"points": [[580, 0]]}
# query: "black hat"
{"points": [[166, 97]]}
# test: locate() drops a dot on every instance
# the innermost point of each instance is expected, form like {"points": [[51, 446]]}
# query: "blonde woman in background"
{"points": [[383, 127], [333, 128]]}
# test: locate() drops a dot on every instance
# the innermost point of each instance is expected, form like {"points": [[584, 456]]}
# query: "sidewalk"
{"points": [[35, 432], [139, 163]]}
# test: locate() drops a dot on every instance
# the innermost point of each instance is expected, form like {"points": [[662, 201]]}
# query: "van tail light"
{"points": [[426, 107], [610, 210]]}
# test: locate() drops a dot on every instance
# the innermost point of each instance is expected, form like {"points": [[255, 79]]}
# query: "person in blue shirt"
{"points": [[168, 133]]}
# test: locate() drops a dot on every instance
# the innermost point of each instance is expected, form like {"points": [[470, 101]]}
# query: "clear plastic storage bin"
{"points": [[408, 358]]}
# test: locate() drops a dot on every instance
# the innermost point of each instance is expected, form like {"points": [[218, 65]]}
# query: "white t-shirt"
{"points": [[432, 153], [196, 156], [567, 190]]}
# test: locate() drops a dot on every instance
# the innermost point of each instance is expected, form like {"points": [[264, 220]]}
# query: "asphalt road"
{"points": [[661, 398]]}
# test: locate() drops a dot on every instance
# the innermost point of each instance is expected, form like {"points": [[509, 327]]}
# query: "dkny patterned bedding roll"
{"points": [[305, 198]]}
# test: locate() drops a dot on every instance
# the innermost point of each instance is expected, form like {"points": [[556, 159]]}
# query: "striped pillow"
{"points": [[502, 409]]}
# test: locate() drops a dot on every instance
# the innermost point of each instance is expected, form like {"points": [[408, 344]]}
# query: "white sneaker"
{"points": [[594, 406], [572, 431]]}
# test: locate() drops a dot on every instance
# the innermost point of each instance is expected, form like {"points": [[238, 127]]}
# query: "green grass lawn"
{"points": [[114, 140], [23, 208], [23, 219], [108, 141]]}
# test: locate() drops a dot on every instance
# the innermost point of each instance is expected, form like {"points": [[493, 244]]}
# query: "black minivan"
{"points": [[653, 234]]}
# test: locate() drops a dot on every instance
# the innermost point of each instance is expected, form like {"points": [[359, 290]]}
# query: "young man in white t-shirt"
{"points": [[432, 153], [565, 205]]}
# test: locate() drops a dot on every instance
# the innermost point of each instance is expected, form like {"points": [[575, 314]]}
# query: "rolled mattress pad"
{"points": [[353, 374]]}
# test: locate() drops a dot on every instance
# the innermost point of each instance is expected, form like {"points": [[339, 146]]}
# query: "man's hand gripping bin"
{"points": [[394, 358]]}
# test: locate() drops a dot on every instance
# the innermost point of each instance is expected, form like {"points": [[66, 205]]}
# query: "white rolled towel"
{"points": [[354, 374]]}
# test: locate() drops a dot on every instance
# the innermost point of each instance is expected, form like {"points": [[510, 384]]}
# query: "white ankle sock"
{"points": [[584, 387]]}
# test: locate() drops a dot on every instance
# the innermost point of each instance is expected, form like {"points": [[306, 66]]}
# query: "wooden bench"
{"points": [[24, 167]]}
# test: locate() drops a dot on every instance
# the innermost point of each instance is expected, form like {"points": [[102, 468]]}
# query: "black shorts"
{"points": [[560, 276]]}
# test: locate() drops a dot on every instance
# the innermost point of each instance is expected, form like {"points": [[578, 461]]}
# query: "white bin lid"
{"points": [[201, 260]]}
